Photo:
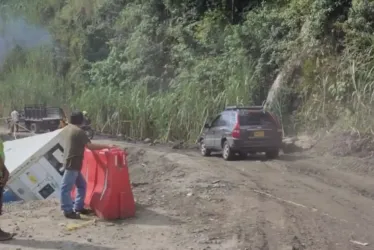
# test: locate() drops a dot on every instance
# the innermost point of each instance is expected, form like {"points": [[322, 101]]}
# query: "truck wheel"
{"points": [[273, 154], [28, 125], [227, 153], [34, 127], [203, 150]]}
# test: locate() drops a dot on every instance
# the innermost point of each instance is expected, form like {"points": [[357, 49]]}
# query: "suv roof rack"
{"points": [[244, 107]]}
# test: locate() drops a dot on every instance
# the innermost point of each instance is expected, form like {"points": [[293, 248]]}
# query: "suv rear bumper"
{"points": [[261, 145]]}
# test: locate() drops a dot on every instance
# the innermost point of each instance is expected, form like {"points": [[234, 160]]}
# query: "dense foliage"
{"points": [[159, 68]]}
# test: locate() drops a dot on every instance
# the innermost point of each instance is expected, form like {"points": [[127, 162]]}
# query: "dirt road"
{"points": [[185, 201]]}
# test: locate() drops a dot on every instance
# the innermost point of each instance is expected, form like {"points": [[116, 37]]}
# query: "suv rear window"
{"points": [[254, 118]]}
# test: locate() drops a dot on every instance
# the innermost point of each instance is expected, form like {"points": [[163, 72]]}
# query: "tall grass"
{"points": [[343, 100], [178, 113], [33, 81], [210, 72]]}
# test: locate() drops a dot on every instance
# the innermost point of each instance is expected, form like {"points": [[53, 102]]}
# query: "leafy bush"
{"points": [[160, 68]]}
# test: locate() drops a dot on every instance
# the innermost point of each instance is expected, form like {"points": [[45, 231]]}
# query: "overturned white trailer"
{"points": [[35, 166]]}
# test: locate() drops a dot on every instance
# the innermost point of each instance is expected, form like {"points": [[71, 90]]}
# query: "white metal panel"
{"points": [[40, 178], [18, 152], [21, 190], [33, 164], [33, 176], [48, 188], [54, 178], [59, 155], [51, 170]]}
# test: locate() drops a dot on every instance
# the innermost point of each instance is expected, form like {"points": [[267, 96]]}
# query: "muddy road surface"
{"points": [[186, 201]]}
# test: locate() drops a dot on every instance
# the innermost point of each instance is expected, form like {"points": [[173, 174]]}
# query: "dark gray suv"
{"points": [[242, 130]]}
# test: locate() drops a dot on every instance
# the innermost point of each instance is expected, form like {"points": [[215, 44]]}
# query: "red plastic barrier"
{"points": [[89, 171], [109, 192]]}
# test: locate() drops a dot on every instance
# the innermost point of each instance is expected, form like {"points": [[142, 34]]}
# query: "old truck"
{"points": [[40, 118]]}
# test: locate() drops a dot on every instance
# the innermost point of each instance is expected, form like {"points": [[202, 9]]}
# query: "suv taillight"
{"points": [[236, 131], [277, 123]]}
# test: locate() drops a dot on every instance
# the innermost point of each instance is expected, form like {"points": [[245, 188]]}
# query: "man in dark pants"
{"points": [[4, 175], [75, 142]]}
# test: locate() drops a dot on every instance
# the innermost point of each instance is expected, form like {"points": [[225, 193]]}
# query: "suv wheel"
{"points": [[272, 154], [203, 150], [227, 153]]}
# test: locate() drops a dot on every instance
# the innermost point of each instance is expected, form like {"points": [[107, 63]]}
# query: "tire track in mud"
{"points": [[313, 232], [248, 220], [260, 239], [256, 234], [246, 226], [342, 188], [265, 232], [300, 228], [356, 184], [320, 227]]}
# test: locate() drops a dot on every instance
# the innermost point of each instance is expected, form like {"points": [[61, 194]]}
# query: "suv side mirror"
{"points": [[206, 125]]}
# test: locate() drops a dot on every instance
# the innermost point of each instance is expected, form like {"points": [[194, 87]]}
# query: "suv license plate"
{"points": [[259, 134]]}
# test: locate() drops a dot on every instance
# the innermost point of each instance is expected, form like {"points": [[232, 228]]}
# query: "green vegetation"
{"points": [[167, 65]]}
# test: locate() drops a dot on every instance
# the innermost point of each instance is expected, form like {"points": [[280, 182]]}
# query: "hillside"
{"points": [[165, 66]]}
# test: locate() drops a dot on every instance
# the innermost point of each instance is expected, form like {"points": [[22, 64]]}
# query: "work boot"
{"points": [[72, 215], [4, 236], [84, 211]]}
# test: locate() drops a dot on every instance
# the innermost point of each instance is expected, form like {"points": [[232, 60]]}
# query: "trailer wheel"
{"points": [[28, 125], [34, 127]]}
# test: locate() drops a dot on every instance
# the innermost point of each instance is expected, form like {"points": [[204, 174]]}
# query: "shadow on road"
{"points": [[293, 157], [51, 244], [5, 136], [262, 157], [146, 216]]}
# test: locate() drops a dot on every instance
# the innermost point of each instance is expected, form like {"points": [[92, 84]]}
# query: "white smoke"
{"points": [[15, 32]]}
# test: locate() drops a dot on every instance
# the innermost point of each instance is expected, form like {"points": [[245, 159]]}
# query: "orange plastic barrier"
{"points": [[109, 192]]}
